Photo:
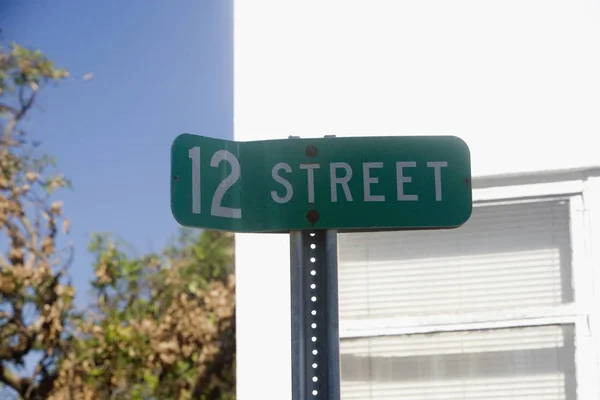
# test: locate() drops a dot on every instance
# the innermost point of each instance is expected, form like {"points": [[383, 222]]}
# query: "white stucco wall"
{"points": [[518, 80]]}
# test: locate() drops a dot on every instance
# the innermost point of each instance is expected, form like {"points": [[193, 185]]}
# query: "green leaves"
{"points": [[20, 66], [150, 379], [164, 330]]}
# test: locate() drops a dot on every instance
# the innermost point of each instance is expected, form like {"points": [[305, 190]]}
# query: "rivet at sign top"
{"points": [[310, 151]]}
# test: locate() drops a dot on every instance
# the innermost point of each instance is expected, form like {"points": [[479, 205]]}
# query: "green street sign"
{"points": [[347, 184]]}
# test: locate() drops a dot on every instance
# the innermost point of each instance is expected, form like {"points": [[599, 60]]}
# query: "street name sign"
{"points": [[346, 184]]}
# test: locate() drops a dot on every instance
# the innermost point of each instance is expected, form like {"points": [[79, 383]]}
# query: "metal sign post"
{"points": [[314, 312]]}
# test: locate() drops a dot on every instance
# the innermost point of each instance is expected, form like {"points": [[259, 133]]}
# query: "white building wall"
{"points": [[518, 80]]}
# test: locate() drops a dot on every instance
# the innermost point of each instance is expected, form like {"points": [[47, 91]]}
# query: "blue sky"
{"points": [[160, 68]]}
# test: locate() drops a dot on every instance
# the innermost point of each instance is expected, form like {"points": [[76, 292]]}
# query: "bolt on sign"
{"points": [[346, 184]]}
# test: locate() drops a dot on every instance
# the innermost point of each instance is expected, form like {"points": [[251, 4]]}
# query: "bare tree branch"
{"points": [[4, 107], [10, 127], [18, 239], [15, 233], [9, 379], [33, 236], [20, 349]]}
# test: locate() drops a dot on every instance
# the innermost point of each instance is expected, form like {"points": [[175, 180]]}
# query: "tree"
{"points": [[162, 325], [35, 298]]}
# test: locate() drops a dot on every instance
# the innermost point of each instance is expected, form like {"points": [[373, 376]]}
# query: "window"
{"points": [[518, 363], [485, 311]]}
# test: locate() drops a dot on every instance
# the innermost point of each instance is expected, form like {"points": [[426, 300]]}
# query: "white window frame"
{"points": [[583, 194]]}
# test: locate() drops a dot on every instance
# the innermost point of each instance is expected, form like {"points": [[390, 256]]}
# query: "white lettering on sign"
{"points": [[194, 154], [401, 180], [216, 208], [437, 170], [341, 180], [310, 171], [368, 180], [289, 191]]}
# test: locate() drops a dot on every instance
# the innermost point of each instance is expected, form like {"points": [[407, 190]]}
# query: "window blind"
{"points": [[505, 256], [533, 363]]}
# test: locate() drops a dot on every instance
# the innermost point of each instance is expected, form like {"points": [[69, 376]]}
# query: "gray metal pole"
{"points": [[315, 319]]}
